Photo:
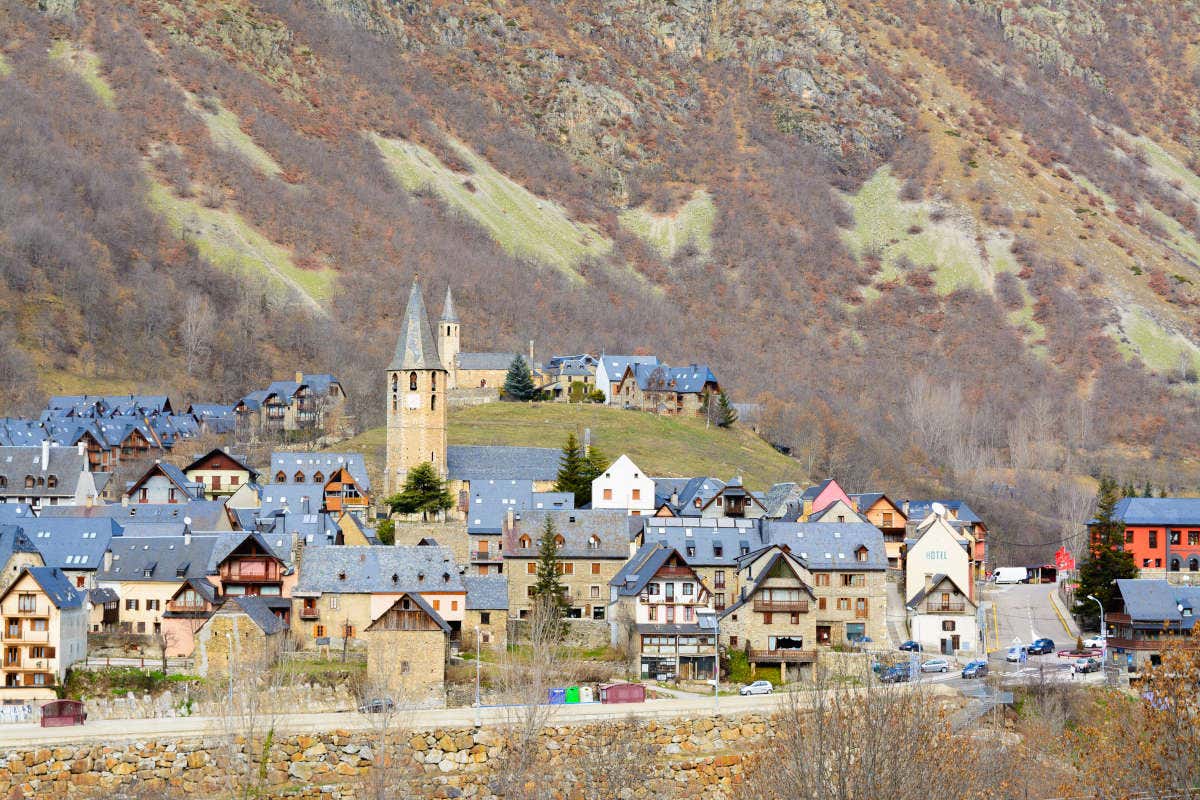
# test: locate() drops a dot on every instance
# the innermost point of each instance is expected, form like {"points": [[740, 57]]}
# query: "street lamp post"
{"points": [[478, 709], [716, 664], [229, 641], [1103, 630]]}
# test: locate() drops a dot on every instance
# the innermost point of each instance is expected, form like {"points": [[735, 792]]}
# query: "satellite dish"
{"points": [[187, 520], [938, 509]]}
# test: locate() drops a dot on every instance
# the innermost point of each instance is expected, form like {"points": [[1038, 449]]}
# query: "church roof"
{"points": [[449, 312], [416, 347]]}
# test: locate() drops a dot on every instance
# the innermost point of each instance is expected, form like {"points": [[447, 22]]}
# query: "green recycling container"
{"points": [[572, 694]]}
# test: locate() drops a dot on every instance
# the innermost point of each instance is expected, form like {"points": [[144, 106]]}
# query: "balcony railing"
{"points": [[250, 572], [186, 608], [946, 607], [787, 656], [492, 556], [26, 635], [309, 613], [800, 606], [1181, 642]]}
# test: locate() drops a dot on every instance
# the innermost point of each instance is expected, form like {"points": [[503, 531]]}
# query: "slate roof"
{"points": [[683, 380], [486, 592], [320, 383], [163, 556], [368, 570], [449, 312], [614, 366], [15, 513], [76, 543], [782, 499], [13, 539], [416, 348], [239, 460], [698, 540], [918, 510], [204, 514], [421, 604], [829, 545], [577, 527], [828, 511], [639, 570], [57, 587], [491, 501], [1158, 510], [1149, 602], [475, 462], [703, 489], [813, 492], [99, 597], [64, 463], [256, 609], [933, 585], [486, 361], [299, 498], [277, 544], [289, 462]]}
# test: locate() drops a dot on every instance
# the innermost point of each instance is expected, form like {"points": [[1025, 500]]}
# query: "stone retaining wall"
{"points": [[181, 703], [681, 758]]}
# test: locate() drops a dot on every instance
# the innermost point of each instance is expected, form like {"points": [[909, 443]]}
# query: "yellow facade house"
{"points": [[45, 623]]}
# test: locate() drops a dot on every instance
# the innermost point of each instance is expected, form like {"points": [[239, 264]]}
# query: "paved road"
{"points": [[1025, 612]]}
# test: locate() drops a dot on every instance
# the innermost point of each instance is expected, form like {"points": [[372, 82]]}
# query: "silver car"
{"points": [[758, 687], [935, 665]]}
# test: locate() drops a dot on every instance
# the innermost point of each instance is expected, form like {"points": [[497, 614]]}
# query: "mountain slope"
{"points": [[949, 246]]}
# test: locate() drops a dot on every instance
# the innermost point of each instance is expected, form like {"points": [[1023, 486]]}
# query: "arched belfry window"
{"points": [[433, 381], [412, 381]]}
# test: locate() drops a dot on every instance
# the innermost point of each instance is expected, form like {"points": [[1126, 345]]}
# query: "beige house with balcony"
{"points": [[45, 631]]}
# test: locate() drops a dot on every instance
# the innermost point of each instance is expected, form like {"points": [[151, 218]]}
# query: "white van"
{"points": [[1010, 575]]}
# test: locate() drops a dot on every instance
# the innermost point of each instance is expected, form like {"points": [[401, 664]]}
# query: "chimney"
{"points": [[107, 560], [299, 377], [508, 519], [82, 448], [45, 454], [187, 536], [531, 353], [928, 583], [125, 500]]}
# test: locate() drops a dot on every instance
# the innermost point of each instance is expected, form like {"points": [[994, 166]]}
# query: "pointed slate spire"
{"points": [[416, 348], [449, 312]]}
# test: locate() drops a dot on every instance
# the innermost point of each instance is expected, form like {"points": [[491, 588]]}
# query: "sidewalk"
{"points": [[1064, 614], [897, 615]]}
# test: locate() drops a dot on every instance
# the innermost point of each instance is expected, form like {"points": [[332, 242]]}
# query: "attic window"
{"points": [[298, 477], [341, 576], [52, 481], [558, 540], [861, 554], [406, 604], [718, 549], [571, 519], [594, 543], [318, 477], [525, 543], [395, 578], [445, 577], [420, 576], [28, 481], [280, 477]]}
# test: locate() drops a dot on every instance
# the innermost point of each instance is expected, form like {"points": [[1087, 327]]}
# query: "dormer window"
{"points": [[298, 477], [341, 576], [445, 577], [318, 477], [395, 578], [594, 543], [52, 481], [559, 541], [525, 543], [280, 477], [861, 554], [29, 482]]}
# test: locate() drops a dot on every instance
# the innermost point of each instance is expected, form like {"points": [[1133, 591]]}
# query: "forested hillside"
{"points": [[950, 245]]}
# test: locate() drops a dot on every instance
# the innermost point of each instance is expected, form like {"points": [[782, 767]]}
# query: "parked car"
{"points": [[975, 669], [1041, 647], [1088, 665], [1015, 652], [936, 665], [896, 674], [758, 687], [377, 706], [911, 646], [1095, 642]]}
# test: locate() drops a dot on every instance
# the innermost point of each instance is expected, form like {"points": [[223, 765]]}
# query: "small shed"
{"points": [[61, 713]]}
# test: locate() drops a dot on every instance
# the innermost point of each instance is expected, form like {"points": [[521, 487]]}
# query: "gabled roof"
{"points": [[829, 545], [217, 451], [1150, 603], [576, 527], [13, 540], [484, 361], [473, 463], [615, 366], [691, 379], [828, 511], [1158, 510], [370, 570], [256, 609], [158, 558], [65, 464], [76, 543], [320, 383], [640, 570], [782, 498], [703, 542], [918, 510], [191, 489], [934, 583], [204, 514], [416, 348], [298, 498], [56, 585], [486, 592], [421, 604], [290, 462], [777, 554]]}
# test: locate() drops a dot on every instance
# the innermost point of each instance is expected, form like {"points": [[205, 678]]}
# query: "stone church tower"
{"points": [[448, 338], [416, 398]]}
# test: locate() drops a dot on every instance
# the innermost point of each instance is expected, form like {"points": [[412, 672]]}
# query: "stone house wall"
{"points": [[408, 665]]}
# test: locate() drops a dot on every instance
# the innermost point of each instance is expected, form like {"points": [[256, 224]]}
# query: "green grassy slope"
{"points": [[662, 446]]}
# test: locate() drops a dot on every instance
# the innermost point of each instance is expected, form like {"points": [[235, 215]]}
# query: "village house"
{"points": [[623, 485], [493, 507], [164, 483], [684, 497], [710, 546], [241, 637], [569, 378], [962, 518], [341, 590], [75, 545], [47, 475], [939, 586], [1163, 534], [407, 651], [220, 473], [1153, 614], [45, 632], [881, 512], [16, 553], [944, 618], [611, 369], [306, 403], [661, 389], [487, 609], [593, 544], [661, 613]]}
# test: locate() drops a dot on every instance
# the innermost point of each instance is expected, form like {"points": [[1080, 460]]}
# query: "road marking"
{"points": [[1061, 618]]}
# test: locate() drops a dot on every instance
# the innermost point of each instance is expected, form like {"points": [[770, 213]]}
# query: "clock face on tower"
{"points": [[412, 400]]}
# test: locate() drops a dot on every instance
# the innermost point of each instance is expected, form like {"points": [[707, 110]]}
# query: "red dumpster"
{"points": [[63, 712], [622, 693]]}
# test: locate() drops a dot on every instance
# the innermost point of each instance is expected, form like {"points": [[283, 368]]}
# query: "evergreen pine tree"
{"points": [[572, 468], [424, 491], [1107, 559], [1148, 491], [518, 383], [549, 586], [726, 413], [1129, 491]]}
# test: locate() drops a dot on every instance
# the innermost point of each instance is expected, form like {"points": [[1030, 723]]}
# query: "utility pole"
{"points": [[717, 664], [478, 666]]}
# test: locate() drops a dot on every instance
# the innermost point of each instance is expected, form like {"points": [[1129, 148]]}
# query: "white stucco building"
{"points": [[624, 485]]}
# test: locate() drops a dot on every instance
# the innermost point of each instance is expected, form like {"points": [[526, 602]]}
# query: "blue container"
{"points": [[558, 697]]}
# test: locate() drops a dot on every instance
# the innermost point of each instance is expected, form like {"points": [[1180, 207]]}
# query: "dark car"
{"points": [[975, 669], [1041, 647], [911, 646], [1090, 665], [377, 706], [897, 674]]}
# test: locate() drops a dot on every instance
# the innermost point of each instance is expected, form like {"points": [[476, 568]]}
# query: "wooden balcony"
{"points": [[186, 608], [309, 613], [1163, 643], [785, 606], [249, 570], [489, 556], [786, 656], [948, 607]]}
